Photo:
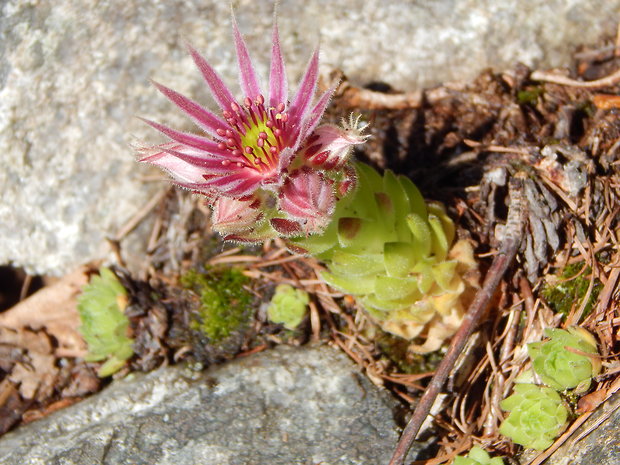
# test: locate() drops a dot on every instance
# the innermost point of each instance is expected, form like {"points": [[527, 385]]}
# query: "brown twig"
{"points": [[501, 262], [607, 81]]}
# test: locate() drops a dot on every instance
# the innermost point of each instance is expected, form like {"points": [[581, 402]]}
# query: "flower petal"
{"points": [[317, 112], [203, 117], [179, 169], [248, 79], [198, 159], [278, 84], [243, 181], [186, 138], [305, 93], [221, 93]]}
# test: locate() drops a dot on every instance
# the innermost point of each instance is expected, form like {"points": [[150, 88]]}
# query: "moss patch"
{"points": [[225, 305], [567, 289]]}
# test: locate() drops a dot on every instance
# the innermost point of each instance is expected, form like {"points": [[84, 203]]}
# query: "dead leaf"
{"points": [[54, 308], [11, 406]]}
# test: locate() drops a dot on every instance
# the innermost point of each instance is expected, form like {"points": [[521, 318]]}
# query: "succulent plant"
{"points": [[104, 325], [288, 306], [537, 416], [561, 368], [477, 456], [396, 254]]}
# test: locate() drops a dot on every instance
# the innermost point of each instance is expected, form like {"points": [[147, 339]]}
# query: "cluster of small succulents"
{"points": [[288, 306], [396, 254], [477, 456], [568, 359], [104, 326]]}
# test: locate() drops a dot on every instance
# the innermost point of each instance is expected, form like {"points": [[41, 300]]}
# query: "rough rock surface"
{"points": [[74, 76], [281, 407]]}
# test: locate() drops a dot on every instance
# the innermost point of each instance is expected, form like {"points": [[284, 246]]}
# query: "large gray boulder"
{"points": [[282, 407], [74, 74]]}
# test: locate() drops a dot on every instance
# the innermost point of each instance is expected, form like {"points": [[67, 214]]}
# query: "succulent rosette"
{"points": [[477, 456], [537, 416], [397, 254], [264, 163], [288, 306], [104, 325], [562, 368]]}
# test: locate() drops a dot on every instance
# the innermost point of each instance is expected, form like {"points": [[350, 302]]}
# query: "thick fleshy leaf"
{"points": [[399, 258], [278, 84], [247, 74], [348, 264], [390, 288], [422, 239], [203, 117], [353, 285], [220, 92]]}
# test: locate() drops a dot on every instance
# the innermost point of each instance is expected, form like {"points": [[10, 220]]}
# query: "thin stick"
{"points": [[501, 262], [610, 80]]}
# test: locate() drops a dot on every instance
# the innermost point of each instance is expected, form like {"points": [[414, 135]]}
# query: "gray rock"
{"points": [[286, 406], [74, 74]]}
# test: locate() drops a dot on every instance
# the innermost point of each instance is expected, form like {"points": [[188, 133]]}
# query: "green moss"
{"points": [[224, 302], [567, 289]]}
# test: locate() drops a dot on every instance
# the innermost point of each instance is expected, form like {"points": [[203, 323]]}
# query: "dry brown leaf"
{"points": [[37, 377], [55, 309]]}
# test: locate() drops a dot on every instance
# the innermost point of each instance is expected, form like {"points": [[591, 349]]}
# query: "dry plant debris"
{"points": [[462, 144]]}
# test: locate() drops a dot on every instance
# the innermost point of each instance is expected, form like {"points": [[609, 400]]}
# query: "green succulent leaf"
{"points": [[353, 285], [416, 200], [537, 416], [399, 258], [422, 236], [350, 264], [391, 288]]}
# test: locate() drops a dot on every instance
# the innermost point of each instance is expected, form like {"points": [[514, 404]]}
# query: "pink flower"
{"points": [[253, 151]]}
